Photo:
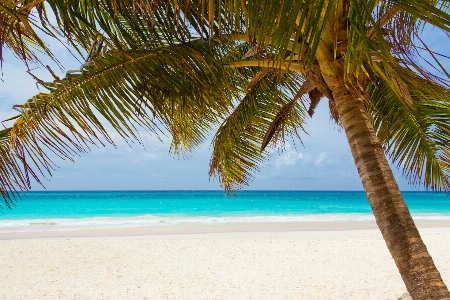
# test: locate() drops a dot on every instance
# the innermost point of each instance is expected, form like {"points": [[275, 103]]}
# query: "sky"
{"points": [[323, 162]]}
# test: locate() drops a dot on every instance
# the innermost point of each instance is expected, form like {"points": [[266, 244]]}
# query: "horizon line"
{"points": [[215, 190]]}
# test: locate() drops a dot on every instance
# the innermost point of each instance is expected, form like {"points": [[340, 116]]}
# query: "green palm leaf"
{"points": [[237, 143], [19, 21], [183, 88], [287, 28], [417, 136], [124, 24]]}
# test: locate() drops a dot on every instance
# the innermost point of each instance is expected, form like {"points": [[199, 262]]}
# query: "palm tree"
{"points": [[253, 67]]}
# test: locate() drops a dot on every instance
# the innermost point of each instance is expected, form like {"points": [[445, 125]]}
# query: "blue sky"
{"points": [[323, 162]]}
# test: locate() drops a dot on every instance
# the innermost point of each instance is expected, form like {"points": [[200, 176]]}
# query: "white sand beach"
{"points": [[271, 262]]}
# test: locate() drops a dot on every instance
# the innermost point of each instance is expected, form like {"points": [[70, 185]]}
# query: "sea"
{"points": [[41, 211]]}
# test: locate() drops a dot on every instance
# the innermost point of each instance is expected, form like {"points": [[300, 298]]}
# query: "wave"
{"points": [[144, 221]]}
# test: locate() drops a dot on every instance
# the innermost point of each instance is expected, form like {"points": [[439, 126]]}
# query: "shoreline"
{"points": [[209, 228]]}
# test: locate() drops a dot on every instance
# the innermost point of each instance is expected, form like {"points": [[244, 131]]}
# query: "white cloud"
{"points": [[149, 156], [289, 159], [321, 158]]}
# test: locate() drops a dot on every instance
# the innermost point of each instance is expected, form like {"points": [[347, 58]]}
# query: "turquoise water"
{"points": [[135, 208]]}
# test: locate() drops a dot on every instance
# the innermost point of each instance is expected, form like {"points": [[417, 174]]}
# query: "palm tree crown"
{"points": [[258, 56]]}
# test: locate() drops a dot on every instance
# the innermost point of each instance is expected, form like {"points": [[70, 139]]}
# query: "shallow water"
{"points": [[38, 211]]}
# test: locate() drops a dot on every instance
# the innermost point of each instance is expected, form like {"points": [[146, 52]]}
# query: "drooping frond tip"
{"points": [[416, 137], [237, 143], [283, 114]]}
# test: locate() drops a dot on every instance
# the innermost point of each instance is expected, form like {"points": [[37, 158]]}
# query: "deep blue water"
{"points": [[76, 205]]}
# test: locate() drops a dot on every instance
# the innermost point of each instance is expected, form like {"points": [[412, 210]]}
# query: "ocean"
{"points": [[40, 211]]}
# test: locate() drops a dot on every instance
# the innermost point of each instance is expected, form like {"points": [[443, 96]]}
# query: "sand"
{"points": [[219, 264]]}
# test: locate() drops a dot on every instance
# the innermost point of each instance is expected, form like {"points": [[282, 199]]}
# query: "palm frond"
{"points": [[382, 34], [404, 31], [416, 137], [236, 145], [19, 21], [433, 12], [183, 88], [125, 25], [290, 29], [281, 117]]}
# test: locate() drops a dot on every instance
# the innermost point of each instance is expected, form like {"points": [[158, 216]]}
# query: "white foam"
{"points": [[433, 217], [143, 221]]}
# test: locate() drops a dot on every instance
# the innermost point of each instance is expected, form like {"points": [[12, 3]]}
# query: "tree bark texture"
{"points": [[422, 279]]}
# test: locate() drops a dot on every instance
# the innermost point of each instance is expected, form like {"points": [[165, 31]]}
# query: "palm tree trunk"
{"points": [[410, 254]]}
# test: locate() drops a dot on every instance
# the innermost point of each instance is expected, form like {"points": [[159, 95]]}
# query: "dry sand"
{"points": [[270, 264]]}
